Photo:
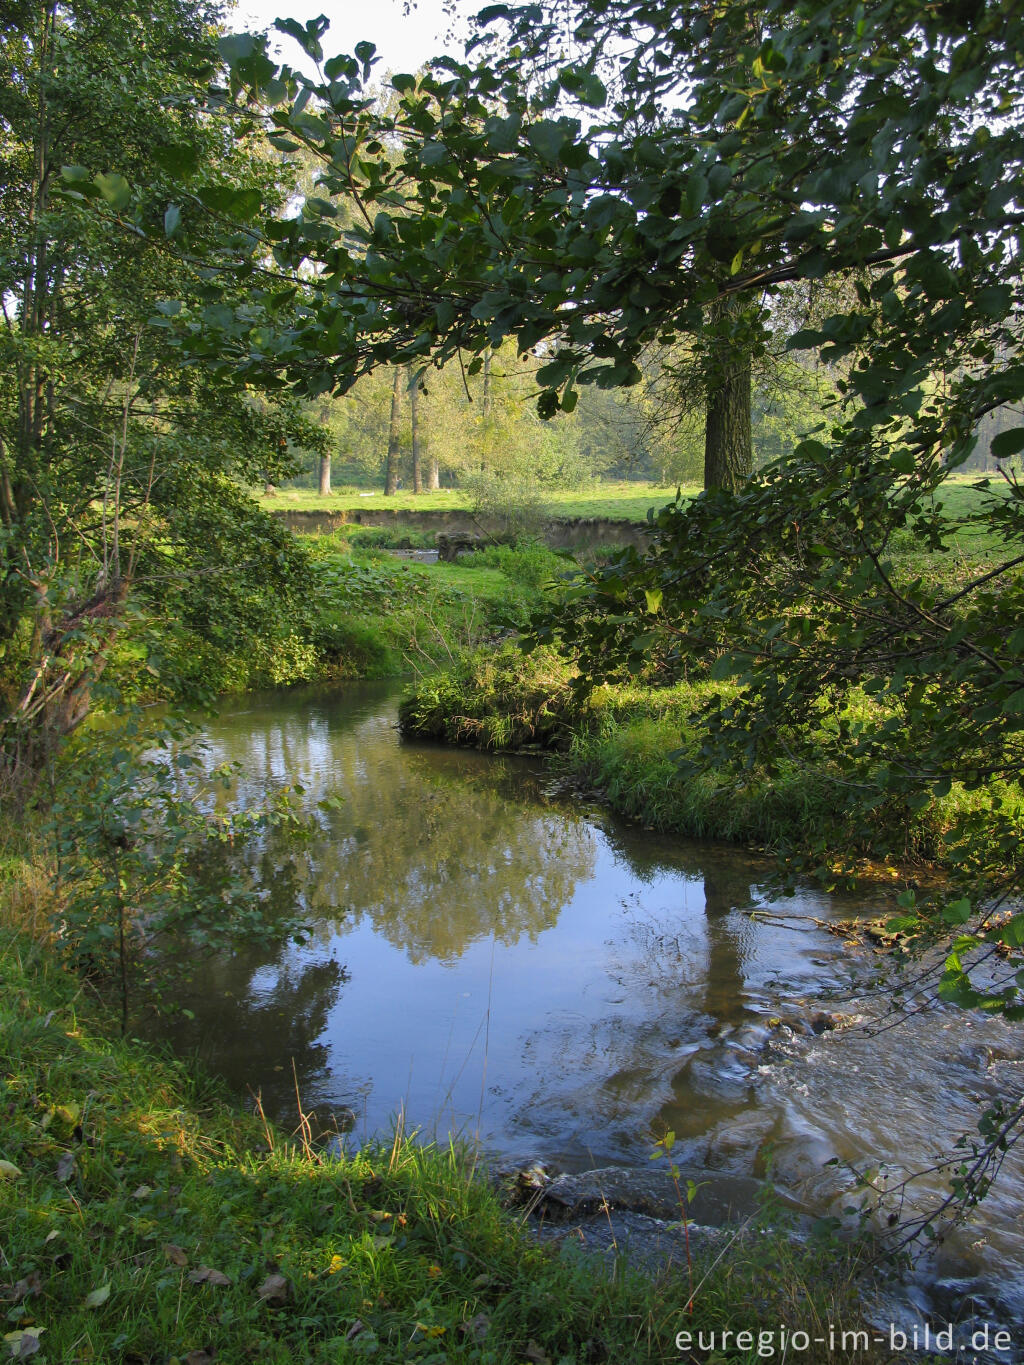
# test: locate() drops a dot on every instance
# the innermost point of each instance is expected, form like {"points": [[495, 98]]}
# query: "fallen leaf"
{"points": [[379, 1215], [8, 1170], [476, 1327], [175, 1254], [142, 1191], [97, 1297], [54, 1232], [31, 1284], [66, 1166], [536, 1355], [198, 1358], [357, 1327], [24, 1343], [206, 1275], [274, 1289]]}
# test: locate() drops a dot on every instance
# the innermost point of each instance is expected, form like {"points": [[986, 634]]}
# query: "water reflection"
{"points": [[482, 958], [554, 982], [436, 849]]}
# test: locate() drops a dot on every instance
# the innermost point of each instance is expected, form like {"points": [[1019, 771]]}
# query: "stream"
{"points": [[556, 985]]}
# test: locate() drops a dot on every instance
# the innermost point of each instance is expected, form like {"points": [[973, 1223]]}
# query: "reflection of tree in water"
{"points": [[438, 848], [726, 888], [438, 862], [255, 1031], [680, 974]]}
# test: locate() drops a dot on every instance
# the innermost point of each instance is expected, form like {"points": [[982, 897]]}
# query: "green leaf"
{"points": [[804, 340], [995, 300], [546, 138], [1012, 932], [235, 47], [115, 190], [726, 666], [593, 92], [97, 1297], [810, 450], [172, 220], [719, 179], [653, 596], [1008, 443], [178, 158], [957, 912]]}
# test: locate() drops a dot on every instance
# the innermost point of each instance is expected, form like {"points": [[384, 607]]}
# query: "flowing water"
{"points": [[491, 960]]}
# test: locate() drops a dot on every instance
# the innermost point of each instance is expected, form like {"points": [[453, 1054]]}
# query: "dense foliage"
{"points": [[120, 512]]}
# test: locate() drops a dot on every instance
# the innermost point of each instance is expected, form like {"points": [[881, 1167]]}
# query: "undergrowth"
{"points": [[632, 743]]}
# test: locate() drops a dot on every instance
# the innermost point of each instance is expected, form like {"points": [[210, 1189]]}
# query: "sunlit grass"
{"points": [[620, 500]]}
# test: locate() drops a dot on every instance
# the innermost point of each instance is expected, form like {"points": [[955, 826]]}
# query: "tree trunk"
{"points": [[325, 460], [391, 470], [488, 401], [414, 393], [433, 474], [488, 407], [728, 445]]}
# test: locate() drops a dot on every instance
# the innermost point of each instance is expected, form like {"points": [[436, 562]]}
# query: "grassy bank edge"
{"points": [[622, 742]]}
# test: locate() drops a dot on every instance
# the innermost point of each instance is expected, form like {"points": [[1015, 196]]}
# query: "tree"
{"points": [[883, 148], [391, 478], [599, 239], [417, 469], [105, 439]]}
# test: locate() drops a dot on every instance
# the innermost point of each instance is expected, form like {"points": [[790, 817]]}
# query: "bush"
{"points": [[528, 562]]}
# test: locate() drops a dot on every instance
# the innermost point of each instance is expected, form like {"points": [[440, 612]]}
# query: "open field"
{"points": [[621, 500]]}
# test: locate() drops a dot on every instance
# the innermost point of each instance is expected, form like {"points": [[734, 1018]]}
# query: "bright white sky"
{"points": [[403, 41]]}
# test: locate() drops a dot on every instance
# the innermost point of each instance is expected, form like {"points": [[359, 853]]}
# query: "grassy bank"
{"points": [[367, 614], [364, 614], [626, 742], [143, 1218]]}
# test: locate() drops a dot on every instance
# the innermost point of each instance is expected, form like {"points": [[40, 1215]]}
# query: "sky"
{"points": [[404, 41]]}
